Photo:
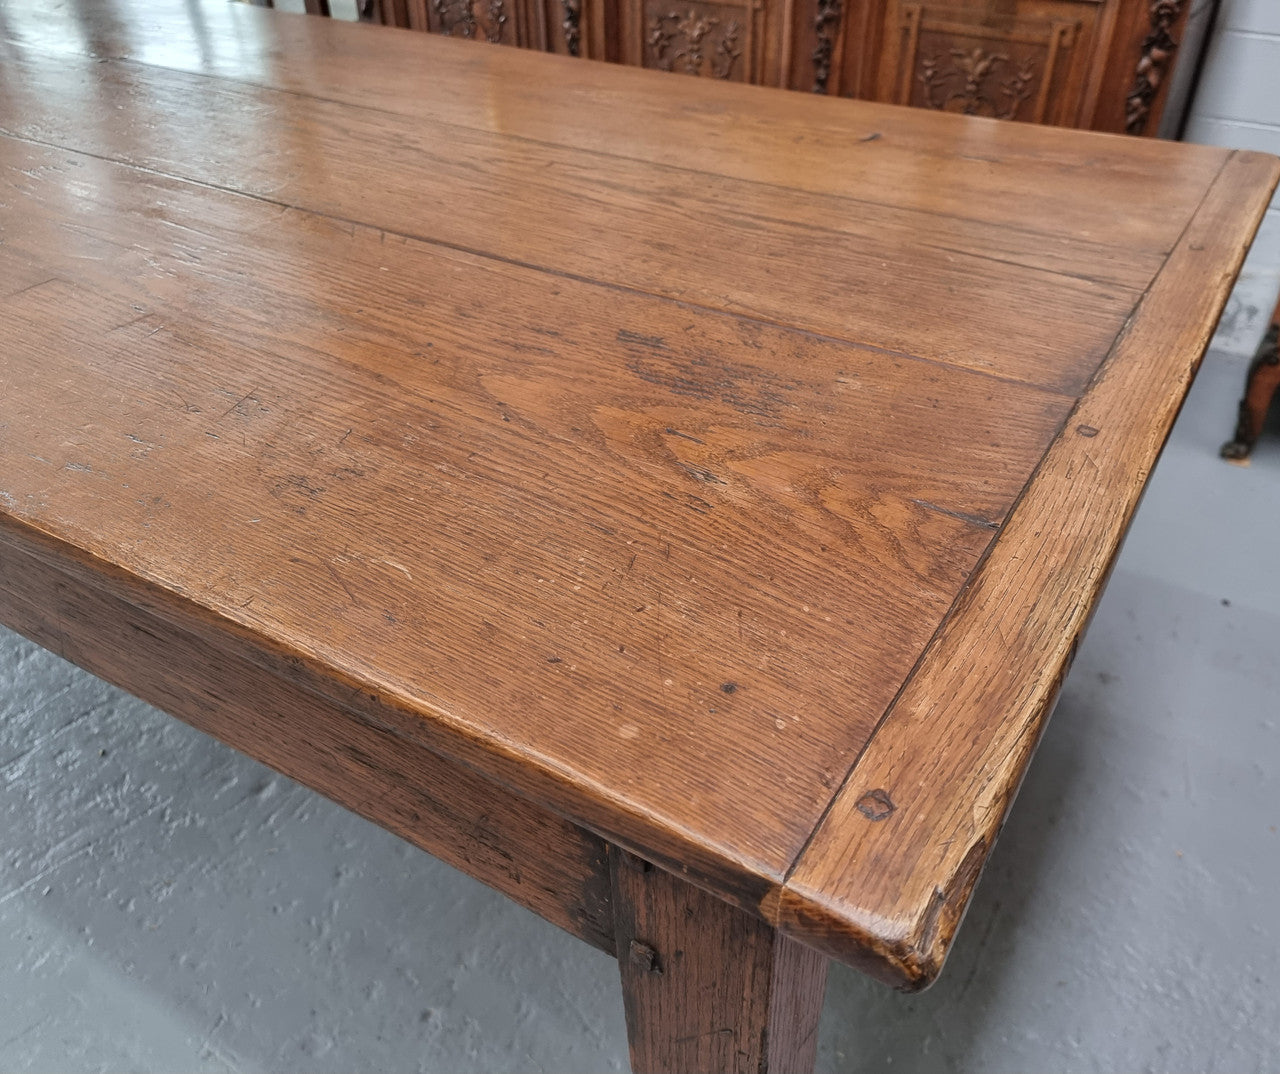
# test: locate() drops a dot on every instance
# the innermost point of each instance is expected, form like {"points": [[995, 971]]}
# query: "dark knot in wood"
{"points": [[644, 957], [876, 805]]}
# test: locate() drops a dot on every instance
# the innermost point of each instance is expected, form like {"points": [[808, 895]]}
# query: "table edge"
{"points": [[595, 809], [853, 893], [447, 809]]}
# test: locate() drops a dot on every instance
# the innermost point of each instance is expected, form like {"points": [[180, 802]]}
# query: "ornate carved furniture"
{"points": [[1260, 388], [1100, 64]]}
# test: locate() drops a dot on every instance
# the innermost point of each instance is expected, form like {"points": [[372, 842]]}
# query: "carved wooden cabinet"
{"points": [[696, 37], [547, 25], [1031, 64], [1104, 64]]}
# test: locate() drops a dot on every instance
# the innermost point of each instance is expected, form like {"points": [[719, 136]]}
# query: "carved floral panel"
{"points": [[485, 20], [697, 38], [1004, 72]]}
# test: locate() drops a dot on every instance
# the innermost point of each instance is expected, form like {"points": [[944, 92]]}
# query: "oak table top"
{"points": [[722, 474]]}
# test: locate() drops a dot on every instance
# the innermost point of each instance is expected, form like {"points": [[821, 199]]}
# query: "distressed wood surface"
{"points": [[974, 278], [549, 520], [888, 875], [102, 623], [624, 445]]}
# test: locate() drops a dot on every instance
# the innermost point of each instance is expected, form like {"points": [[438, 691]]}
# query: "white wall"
{"points": [[1238, 105]]}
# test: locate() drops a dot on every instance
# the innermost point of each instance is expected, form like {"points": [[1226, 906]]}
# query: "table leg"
{"points": [[708, 987], [1263, 379]]}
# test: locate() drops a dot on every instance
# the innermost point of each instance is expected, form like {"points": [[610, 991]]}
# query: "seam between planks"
{"points": [[129, 61], [548, 270], [826, 911], [973, 574]]}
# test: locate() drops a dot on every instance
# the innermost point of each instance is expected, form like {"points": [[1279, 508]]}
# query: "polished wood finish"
{"points": [[929, 174], [1260, 388], [706, 986], [439, 422], [538, 456], [889, 871], [564, 182]]}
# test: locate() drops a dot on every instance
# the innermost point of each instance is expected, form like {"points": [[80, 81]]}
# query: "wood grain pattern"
{"points": [[421, 494], [706, 986], [40, 108], [472, 823], [848, 277], [619, 447], [1042, 180], [889, 872]]}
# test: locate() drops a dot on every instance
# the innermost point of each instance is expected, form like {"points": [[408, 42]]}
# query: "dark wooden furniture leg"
{"points": [[1264, 378], [707, 987]]}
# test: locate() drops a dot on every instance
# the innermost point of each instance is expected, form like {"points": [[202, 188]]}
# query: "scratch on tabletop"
{"points": [[398, 566], [338, 578], [243, 399]]}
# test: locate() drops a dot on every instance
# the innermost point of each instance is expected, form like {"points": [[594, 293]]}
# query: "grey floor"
{"points": [[166, 905]]}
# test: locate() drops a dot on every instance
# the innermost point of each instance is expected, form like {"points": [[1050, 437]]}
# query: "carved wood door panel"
{"points": [[1030, 65], [695, 37], [496, 21]]}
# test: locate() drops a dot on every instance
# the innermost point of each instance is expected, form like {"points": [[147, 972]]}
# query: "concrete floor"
{"points": [[167, 905]]}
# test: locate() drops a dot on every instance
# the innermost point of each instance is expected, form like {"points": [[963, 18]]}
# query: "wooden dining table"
{"points": [[676, 505]]}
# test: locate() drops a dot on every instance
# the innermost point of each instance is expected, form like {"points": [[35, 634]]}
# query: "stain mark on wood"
{"points": [[656, 342], [702, 475], [750, 390], [963, 516]]}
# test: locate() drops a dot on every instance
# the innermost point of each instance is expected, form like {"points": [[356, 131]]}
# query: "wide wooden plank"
{"points": [[439, 806], [46, 102], [883, 277], [623, 449], [888, 875], [1054, 182], [558, 529]]}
